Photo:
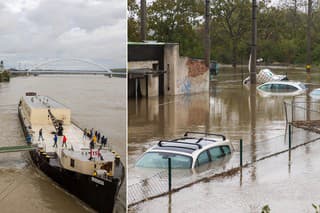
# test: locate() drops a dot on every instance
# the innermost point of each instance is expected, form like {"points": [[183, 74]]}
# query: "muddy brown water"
{"points": [[95, 102], [230, 109]]}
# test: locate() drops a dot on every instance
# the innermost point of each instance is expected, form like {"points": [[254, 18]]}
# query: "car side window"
{"points": [[216, 152], [226, 150], [203, 158]]}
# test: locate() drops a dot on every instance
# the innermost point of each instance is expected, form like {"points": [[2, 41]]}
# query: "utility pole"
{"points": [[295, 18], [254, 44], [143, 19], [308, 66], [207, 46]]}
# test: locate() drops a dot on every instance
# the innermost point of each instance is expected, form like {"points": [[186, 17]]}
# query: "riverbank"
{"points": [[4, 76]]}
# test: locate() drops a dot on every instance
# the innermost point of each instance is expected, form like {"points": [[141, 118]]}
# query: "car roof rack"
{"points": [[205, 133], [198, 139], [198, 146]]}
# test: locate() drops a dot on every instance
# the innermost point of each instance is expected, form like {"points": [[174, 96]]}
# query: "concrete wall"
{"points": [[184, 75], [153, 81], [40, 116]]}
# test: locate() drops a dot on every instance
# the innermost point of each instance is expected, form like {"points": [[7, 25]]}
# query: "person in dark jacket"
{"points": [[40, 135], [91, 149], [55, 140], [98, 137], [29, 139], [102, 140]]}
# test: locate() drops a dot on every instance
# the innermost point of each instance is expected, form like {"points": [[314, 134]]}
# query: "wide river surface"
{"points": [[97, 102], [285, 184]]}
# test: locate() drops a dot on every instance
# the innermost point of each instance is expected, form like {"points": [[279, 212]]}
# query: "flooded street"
{"points": [[95, 101], [230, 109]]}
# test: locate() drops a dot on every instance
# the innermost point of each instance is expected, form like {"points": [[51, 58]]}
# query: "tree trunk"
{"points": [[234, 53]]}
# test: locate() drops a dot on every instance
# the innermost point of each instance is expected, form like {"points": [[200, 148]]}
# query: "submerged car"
{"points": [[315, 93], [281, 88], [266, 75], [186, 152]]}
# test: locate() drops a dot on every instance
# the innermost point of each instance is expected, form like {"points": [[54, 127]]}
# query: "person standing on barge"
{"points": [[55, 139], [85, 133], [40, 135], [64, 141]]}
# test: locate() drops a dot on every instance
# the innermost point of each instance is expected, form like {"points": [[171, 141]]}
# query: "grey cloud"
{"points": [[90, 29]]}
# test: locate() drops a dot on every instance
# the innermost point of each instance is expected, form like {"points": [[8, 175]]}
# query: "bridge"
{"points": [[37, 70], [69, 72]]}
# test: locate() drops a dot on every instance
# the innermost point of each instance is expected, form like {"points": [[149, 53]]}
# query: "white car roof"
{"points": [[189, 146]]}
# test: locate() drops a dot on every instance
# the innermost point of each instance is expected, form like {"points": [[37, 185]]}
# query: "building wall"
{"points": [[153, 81], [184, 75], [141, 64]]}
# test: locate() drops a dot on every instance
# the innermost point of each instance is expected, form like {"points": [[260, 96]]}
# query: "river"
{"points": [[96, 102], [239, 113]]}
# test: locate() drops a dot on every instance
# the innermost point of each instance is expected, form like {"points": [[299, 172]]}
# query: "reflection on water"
{"points": [[95, 101], [228, 109]]}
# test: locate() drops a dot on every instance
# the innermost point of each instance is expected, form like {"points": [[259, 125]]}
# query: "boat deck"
{"points": [[77, 145], [40, 101]]}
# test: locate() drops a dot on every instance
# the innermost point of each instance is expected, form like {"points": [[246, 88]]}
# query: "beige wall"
{"points": [[141, 64], [184, 75], [153, 81], [86, 167], [39, 116]]}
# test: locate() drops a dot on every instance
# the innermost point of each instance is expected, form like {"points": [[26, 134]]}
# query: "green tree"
{"points": [[232, 25], [176, 21], [133, 24]]}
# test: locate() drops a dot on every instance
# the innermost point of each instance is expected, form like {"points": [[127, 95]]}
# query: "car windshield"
{"points": [[315, 92], [160, 160], [278, 87], [302, 86]]}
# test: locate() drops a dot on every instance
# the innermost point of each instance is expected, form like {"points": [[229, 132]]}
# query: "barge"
{"points": [[92, 173]]}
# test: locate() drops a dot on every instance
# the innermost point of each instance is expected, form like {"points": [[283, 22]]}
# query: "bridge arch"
{"points": [[104, 68]]}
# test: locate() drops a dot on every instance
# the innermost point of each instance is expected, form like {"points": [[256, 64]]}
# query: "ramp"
{"points": [[23, 148]]}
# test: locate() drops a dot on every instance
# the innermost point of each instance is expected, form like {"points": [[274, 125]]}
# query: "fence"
{"points": [[157, 185], [305, 115]]}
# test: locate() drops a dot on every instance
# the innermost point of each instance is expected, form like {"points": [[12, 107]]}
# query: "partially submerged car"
{"points": [[315, 93], [186, 152], [281, 88], [266, 75]]}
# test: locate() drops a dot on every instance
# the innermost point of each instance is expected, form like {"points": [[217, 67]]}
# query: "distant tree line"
{"points": [[281, 29]]}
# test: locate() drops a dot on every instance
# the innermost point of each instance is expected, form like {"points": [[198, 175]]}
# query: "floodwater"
{"points": [[95, 101], [230, 109]]}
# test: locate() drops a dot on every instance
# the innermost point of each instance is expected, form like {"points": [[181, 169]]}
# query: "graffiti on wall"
{"points": [[193, 77], [196, 67], [185, 86]]}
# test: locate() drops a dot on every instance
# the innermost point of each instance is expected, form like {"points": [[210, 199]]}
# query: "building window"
{"points": [[71, 162]]}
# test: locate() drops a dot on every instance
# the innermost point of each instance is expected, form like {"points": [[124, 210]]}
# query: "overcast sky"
{"points": [[33, 31]]}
